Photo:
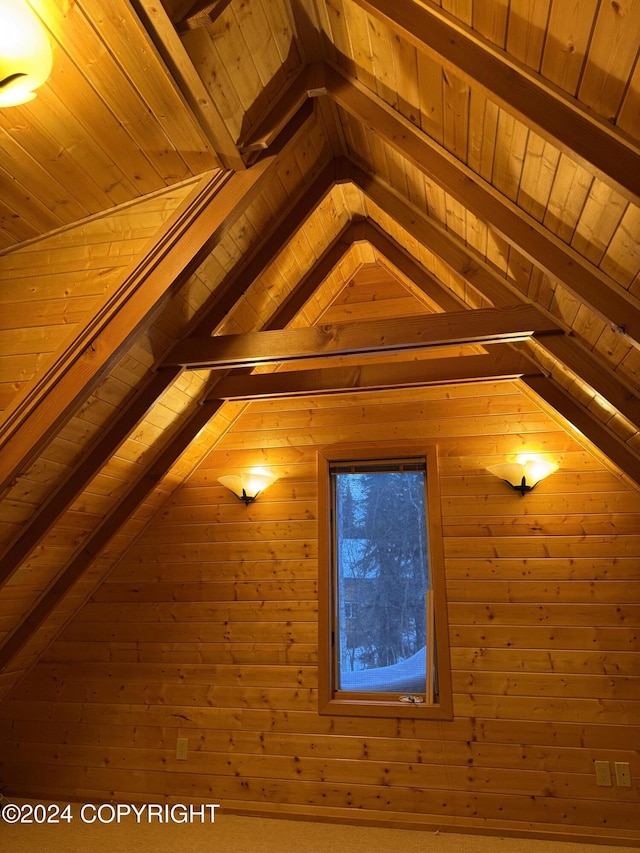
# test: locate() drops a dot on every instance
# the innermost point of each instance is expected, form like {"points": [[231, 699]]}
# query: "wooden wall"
{"points": [[207, 630], [103, 494], [51, 287]]}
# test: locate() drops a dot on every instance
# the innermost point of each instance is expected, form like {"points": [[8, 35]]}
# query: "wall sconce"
{"points": [[25, 53], [523, 474], [249, 485]]}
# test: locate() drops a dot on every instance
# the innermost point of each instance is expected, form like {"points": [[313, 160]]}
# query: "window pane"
{"points": [[382, 580]]}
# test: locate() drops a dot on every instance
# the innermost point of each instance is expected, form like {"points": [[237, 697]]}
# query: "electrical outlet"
{"points": [[623, 774], [182, 745], [603, 773]]}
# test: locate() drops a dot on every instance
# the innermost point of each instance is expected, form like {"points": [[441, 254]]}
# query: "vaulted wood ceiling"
{"points": [[227, 169]]}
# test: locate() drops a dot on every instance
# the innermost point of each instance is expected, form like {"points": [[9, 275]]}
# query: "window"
{"points": [[383, 632]]}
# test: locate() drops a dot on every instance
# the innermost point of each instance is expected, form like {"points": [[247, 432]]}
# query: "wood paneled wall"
{"points": [[208, 630], [51, 287], [105, 491]]}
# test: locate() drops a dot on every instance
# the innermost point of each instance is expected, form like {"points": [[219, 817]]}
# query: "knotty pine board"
{"points": [[509, 632]]}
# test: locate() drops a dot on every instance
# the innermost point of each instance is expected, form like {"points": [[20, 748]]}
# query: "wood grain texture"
{"points": [[112, 477], [420, 182], [223, 650]]}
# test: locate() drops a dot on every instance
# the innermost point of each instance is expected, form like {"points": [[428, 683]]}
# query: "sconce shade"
{"points": [[248, 486], [25, 53], [523, 474]]}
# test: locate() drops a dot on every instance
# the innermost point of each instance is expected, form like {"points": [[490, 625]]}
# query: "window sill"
{"points": [[361, 707]]}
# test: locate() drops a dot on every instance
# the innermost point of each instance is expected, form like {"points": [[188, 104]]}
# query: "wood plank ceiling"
{"points": [[226, 169]]}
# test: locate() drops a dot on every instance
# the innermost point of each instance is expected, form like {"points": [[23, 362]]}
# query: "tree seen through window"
{"points": [[382, 578]]}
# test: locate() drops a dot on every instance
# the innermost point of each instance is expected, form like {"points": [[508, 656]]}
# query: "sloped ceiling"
{"points": [[226, 169]]}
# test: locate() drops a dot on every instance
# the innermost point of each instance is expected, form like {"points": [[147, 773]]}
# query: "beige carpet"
{"points": [[257, 835]]}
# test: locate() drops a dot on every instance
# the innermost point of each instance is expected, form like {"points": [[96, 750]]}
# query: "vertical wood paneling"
{"points": [[245, 58], [109, 127]]}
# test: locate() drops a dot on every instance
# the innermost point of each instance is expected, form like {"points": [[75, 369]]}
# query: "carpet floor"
{"points": [[259, 835]]}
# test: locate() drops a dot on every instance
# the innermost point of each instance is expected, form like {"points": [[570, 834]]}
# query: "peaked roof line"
{"points": [[490, 286], [447, 370], [556, 116], [606, 298], [178, 252]]}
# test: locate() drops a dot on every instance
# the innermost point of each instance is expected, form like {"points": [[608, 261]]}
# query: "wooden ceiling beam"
{"points": [[503, 364], [434, 237], [234, 286], [250, 268], [483, 326], [605, 297], [200, 14], [611, 302], [611, 445], [565, 348], [299, 90], [313, 278], [573, 128], [556, 116], [106, 529], [599, 376], [37, 617], [61, 498], [182, 244], [173, 52], [79, 369]]}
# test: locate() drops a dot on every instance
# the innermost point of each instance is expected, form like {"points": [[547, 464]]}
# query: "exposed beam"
{"points": [[178, 250], [616, 306], [106, 529], [308, 83], [484, 326], [200, 14], [593, 142], [605, 297], [561, 119], [249, 269], [312, 279], [565, 348], [290, 101], [99, 539], [177, 60], [79, 369], [234, 286], [432, 236], [66, 493], [608, 384], [504, 364], [611, 302], [607, 442]]}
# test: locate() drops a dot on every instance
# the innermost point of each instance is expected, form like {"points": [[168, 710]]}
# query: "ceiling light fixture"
{"points": [[25, 53], [525, 473], [249, 485]]}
